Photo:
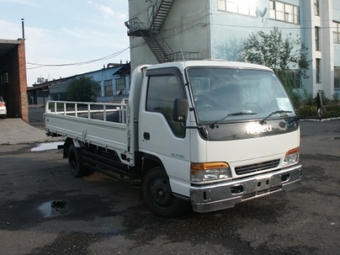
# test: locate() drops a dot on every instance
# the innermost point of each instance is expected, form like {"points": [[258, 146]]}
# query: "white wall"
{"points": [[309, 20], [185, 29], [336, 17], [326, 48], [230, 30], [326, 53], [139, 51]]}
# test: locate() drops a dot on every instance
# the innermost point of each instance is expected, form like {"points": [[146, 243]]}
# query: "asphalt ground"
{"points": [[16, 131], [45, 210]]}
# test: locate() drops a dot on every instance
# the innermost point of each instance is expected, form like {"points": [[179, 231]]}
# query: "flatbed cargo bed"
{"points": [[101, 124]]}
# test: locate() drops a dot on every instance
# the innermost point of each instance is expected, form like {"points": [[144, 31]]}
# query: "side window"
{"points": [[162, 92]]}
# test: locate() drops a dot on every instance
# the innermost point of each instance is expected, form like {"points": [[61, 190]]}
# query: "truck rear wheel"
{"points": [[75, 161], [157, 193]]}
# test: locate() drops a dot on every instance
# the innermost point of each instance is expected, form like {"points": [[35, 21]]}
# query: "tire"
{"points": [[75, 161], [157, 193]]}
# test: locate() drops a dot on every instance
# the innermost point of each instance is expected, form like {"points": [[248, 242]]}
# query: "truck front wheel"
{"points": [[75, 161], [157, 193]]}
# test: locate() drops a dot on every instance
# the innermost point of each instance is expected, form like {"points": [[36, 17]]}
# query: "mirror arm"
{"points": [[181, 121]]}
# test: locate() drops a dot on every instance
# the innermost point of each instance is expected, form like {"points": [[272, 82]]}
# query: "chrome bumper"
{"points": [[225, 195]]}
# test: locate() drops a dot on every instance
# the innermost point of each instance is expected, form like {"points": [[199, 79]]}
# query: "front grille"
{"points": [[257, 167]]}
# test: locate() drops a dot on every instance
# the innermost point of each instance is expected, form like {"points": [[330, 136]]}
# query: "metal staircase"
{"points": [[161, 50], [159, 13], [157, 45]]}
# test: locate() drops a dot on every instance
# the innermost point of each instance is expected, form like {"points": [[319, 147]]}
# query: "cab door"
{"points": [[159, 134]]}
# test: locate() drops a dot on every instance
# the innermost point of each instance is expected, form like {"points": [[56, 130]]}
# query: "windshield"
{"points": [[227, 94]]}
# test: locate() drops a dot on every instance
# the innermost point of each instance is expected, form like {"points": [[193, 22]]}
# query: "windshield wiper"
{"points": [[263, 121], [215, 124], [291, 120]]}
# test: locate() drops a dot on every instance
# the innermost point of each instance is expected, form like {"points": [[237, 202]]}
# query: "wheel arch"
{"points": [[150, 162], [68, 142], [156, 191]]}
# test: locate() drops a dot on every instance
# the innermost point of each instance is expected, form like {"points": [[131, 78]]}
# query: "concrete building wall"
{"points": [[140, 53], [310, 21], [230, 30], [187, 28], [57, 91], [326, 52], [336, 18], [101, 76], [200, 25]]}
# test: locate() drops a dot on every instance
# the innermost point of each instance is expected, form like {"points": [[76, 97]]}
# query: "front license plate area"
{"points": [[263, 183]]}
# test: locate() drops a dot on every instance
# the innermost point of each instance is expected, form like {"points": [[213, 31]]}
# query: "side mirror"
{"points": [[181, 108]]}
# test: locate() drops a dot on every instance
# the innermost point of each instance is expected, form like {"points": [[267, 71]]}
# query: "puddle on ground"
{"points": [[47, 146], [53, 208]]}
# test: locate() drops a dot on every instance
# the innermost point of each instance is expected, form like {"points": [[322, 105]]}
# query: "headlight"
{"points": [[292, 157], [209, 172]]}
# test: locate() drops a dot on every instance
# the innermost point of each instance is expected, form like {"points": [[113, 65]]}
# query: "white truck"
{"points": [[206, 134]]}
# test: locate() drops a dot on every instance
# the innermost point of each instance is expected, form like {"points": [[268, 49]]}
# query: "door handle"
{"points": [[146, 136]]}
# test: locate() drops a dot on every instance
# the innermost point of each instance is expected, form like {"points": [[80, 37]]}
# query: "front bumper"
{"points": [[3, 111], [225, 195]]}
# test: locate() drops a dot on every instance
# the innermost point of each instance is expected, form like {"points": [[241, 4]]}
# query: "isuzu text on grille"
{"points": [[258, 129]]}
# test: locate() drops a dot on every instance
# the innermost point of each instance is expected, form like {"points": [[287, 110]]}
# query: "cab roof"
{"points": [[209, 63]]}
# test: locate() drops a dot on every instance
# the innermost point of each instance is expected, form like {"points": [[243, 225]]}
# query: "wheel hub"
{"points": [[161, 192]]}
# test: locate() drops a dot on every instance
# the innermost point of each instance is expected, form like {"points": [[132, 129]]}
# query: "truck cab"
{"points": [[222, 132]]}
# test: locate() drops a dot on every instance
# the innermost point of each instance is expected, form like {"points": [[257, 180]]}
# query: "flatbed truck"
{"points": [[201, 134]]}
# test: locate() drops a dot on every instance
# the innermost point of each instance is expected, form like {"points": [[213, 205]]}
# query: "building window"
{"points": [[98, 90], [245, 7], [337, 77], [316, 8], [120, 86], [336, 32], [318, 70], [284, 12], [317, 38], [108, 88]]}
